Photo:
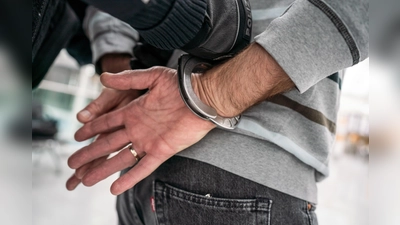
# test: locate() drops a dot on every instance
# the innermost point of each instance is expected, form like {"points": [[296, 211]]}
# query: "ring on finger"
{"points": [[134, 153]]}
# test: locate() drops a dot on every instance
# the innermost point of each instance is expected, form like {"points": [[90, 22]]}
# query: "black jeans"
{"points": [[188, 192]]}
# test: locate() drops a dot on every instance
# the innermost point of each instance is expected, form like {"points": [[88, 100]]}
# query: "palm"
{"points": [[161, 119], [158, 124]]}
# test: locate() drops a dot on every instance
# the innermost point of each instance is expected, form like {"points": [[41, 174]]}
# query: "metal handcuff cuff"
{"points": [[188, 65]]}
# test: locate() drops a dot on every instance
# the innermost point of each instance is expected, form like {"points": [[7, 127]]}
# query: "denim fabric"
{"points": [[184, 191]]}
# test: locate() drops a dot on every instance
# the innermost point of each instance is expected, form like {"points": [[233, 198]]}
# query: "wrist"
{"points": [[208, 92], [186, 66], [241, 82], [115, 62]]}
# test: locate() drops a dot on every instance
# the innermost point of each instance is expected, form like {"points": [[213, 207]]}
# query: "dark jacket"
{"points": [[56, 24], [203, 28]]}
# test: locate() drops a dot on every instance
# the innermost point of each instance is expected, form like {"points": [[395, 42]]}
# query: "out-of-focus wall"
{"points": [[384, 176], [66, 89]]}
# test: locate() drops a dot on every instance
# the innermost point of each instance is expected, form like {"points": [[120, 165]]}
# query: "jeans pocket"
{"points": [[175, 206]]}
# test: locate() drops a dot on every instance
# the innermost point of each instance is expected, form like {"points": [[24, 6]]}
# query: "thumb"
{"points": [[132, 79], [104, 103]]}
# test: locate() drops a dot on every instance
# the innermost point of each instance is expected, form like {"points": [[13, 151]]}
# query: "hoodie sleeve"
{"points": [[108, 34], [315, 38]]}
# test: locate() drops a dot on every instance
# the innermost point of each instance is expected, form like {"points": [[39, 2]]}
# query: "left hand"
{"points": [[158, 124], [108, 100]]}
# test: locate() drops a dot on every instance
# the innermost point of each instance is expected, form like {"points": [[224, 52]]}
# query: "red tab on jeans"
{"points": [[153, 205]]}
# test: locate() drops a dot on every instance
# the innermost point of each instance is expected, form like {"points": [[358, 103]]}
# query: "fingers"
{"points": [[103, 104], [99, 148], [140, 171], [132, 79], [72, 182], [103, 124], [76, 178], [122, 160], [81, 171]]}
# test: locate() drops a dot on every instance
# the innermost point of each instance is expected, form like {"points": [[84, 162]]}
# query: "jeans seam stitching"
{"points": [[269, 212], [244, 204], [164, 193], [213, 203], [308, 214]]}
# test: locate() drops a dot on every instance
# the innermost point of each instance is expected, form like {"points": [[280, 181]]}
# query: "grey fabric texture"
{"points": [[108, 34], [354, 14], [308, 45]]}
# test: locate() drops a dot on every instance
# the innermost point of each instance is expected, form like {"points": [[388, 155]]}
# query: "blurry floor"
{"points": [[343, 196], [52, 204]]}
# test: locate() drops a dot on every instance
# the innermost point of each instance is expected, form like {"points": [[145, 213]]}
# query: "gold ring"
{"points": [[134, 153]]}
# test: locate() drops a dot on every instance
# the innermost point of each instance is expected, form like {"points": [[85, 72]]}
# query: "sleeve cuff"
{"points": [[107, 34], [111, 43], [306, 44]]}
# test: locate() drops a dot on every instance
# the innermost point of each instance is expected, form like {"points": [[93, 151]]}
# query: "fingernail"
{"points": [[78, 175], [85, 114]]}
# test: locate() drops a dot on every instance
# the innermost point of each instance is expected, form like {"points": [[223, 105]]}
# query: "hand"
{"points": [[158, 124], [108, 100]]}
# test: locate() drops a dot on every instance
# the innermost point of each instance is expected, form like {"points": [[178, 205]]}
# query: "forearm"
{"points": [[309, 42], [250, 77]]}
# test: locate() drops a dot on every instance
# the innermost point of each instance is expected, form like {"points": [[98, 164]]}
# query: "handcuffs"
{"points": [[187, 65]]}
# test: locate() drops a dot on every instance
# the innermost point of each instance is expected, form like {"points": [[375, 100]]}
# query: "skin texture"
{"points": [[115, 63], [249, 78], [109, 100], [158, 123]]}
